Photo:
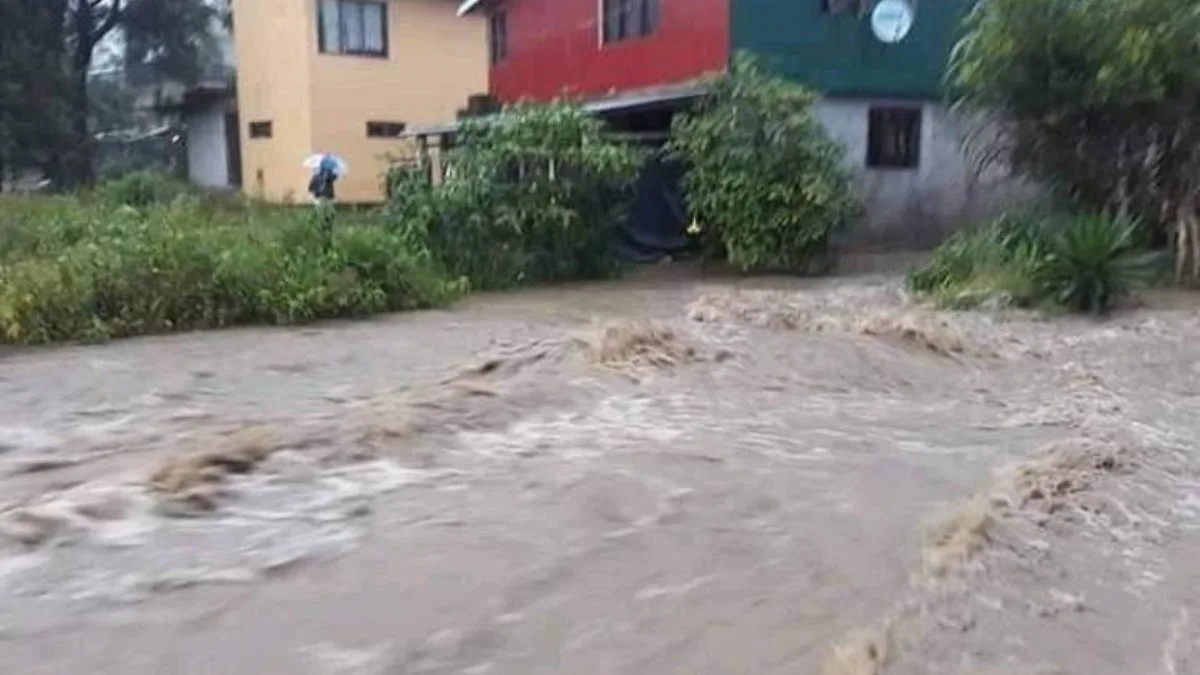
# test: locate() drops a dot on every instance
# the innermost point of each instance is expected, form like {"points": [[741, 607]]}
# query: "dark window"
{"points": [[260, 130], [384, 129], [498, 36], [894, 138], [627, 19], [353, 27], [233, 149]]}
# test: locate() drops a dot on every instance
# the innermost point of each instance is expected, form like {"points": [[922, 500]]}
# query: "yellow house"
{"points": [[346, 77]]}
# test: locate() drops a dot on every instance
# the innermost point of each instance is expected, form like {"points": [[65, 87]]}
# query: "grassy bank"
{"points": [[95, 267]]}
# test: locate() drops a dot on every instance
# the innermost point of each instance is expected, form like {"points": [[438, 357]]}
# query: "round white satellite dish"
{"points": [[891, 20]]}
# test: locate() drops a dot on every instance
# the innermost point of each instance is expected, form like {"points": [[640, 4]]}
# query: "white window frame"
{"points": [[337, 47]]}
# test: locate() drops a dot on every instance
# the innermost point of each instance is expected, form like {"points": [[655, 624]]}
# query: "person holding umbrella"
{"points": [[327, 169]]}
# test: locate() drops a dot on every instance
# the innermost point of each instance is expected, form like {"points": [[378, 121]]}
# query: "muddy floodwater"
{"points": [[659, 477]]}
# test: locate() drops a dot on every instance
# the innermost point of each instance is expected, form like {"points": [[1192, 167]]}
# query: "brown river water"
{"points": [[647, 477]]}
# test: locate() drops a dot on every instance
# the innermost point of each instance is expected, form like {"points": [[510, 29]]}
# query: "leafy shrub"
{"points": [[534, 194], [1094, 100], [140, 189], [765, 183], [1079, 262], [180, 267], [999, 257], [36, 226], [1092, 261]]}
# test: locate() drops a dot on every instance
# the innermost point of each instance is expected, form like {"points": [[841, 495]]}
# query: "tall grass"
{"points": [[87, 268], [1083, 263]]}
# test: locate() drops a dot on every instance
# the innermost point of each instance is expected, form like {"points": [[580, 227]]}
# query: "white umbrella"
{"points": [[340, 168]]}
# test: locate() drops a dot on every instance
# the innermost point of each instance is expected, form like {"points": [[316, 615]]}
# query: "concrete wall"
{"points": [[920, 206], [207, 150], [435, 61], [272, 39], [322, 102]]}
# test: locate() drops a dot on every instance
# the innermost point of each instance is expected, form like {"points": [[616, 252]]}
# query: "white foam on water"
{"points": [[615, 422], [331, 659], [25, 438], [107, 542]]}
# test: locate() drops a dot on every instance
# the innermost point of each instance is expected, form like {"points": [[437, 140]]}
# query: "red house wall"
{"points": [[554, 46]]}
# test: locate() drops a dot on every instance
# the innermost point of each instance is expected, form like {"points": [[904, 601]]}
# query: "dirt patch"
{"points": [[192, 481]]}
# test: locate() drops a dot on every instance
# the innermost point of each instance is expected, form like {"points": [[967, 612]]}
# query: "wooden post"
{"points": [[423, 152], [443, 153]]}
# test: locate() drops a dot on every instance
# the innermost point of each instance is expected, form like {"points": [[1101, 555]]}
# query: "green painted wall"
{"points": [[838, 54]]}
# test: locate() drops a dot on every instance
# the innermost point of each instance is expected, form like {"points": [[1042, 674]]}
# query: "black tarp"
{"points": [[657, 221]]}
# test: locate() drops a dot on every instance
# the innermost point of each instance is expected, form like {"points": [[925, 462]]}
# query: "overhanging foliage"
{"points": [[1096, 100]]}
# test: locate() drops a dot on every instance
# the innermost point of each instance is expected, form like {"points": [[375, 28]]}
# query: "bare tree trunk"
{"points": [[1187, 242], [1193, 224], [82, 169], [1181, 248], [89, 22]]}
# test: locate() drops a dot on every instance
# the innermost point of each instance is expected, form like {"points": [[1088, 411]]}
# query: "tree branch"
{"points": [[110, 21]]}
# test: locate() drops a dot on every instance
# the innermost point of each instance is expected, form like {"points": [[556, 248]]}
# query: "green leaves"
{"points": [[536, 194], [765, 184], [170, 39], [84, 270], [35, 90], [1092, 261], [1084, 263], [1095, 100], [140, 189]]}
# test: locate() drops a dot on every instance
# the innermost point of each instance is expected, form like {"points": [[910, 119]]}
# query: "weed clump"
{"points": [[82, 268], [1083, 263]]}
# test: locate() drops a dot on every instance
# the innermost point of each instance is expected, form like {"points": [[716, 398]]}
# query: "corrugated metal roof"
{"points": [[639, 98]]}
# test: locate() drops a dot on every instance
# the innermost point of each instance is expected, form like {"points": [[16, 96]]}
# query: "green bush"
{"points": [[534, 194], [142, 188], [998, 257], [1092, 261], [124, 271], [36, 226], [1093, 100], [1078, 262], [765, 183]]}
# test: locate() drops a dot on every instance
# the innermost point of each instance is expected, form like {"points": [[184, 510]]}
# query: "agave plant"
{"points": [[1094, 260]]}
